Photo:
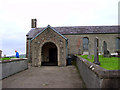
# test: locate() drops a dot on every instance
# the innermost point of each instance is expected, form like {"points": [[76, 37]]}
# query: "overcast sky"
{"points": [[16, 15]]}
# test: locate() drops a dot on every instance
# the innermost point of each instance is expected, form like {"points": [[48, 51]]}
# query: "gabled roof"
{"points": [[45, 29], [77, 30]]}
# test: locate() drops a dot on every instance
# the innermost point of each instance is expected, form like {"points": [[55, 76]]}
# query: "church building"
{"points": [[52, 45]]}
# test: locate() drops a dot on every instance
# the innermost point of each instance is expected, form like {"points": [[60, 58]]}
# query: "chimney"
{"points": [[34, 23]]}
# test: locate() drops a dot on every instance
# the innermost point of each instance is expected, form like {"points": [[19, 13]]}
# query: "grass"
{"points": [[5, 58], [111, 63]]}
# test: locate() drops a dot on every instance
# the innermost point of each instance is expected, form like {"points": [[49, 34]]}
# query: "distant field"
{"points": [[112, 63]]}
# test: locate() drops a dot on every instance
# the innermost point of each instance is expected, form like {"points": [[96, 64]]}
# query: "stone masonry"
{"points": [[48, 36], [68, 40]]}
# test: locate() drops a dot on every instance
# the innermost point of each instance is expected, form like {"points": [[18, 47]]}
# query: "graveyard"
{"points": [[109, 63], [103, 70]]}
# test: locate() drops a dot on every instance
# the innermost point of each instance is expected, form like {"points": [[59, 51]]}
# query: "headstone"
{"points": [[96, 57], [106, 52], [0, 53], [105, 49], [89, 51]]}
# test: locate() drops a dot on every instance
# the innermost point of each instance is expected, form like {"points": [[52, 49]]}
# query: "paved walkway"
{"points": [[45, 77]]}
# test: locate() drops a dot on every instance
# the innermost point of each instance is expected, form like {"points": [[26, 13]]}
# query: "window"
{"points": [[85, 43], [118, 43]]}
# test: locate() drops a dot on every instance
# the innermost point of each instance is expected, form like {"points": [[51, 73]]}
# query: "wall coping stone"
{"points": [[13, 60], [99, 71]]}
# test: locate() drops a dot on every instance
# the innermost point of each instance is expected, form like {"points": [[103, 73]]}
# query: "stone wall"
{"points": [[75, 44], [10, 67], [77, 40], [98, 77], [47, 36]]}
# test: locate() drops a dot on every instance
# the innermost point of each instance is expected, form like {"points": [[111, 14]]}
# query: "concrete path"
{"points": [[45, 77]]}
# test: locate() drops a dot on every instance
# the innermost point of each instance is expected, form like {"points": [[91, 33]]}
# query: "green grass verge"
{"points": [[111, 63], [5, 58]]}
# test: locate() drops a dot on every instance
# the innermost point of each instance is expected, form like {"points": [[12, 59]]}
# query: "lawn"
{"points": [[5, 58], [112, 63]]}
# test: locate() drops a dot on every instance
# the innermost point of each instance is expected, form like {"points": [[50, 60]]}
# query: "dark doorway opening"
{"points": [[49, 55], [53, 55]]}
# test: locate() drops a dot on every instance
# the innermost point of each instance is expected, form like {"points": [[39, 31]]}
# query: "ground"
{"points": [[45, 77]]}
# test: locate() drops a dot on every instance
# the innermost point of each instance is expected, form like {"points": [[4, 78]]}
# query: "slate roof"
{"points": [[77, 30]]}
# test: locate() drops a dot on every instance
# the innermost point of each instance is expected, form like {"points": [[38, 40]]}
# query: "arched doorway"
{"points": [[49, 54]]}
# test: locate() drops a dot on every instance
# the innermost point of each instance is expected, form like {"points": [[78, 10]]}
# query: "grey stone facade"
{"points": [[48, 36], [68, 40], [74, 39]]}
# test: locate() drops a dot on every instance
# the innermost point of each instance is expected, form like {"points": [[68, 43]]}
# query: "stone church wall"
{"points": [[75, 42], [48, 36]]}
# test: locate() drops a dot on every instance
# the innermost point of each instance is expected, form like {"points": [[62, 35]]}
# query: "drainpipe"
{"points": [[66, 48]]}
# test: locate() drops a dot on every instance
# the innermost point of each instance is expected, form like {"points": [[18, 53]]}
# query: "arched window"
{"points": [[85, 43], [118, 43]]}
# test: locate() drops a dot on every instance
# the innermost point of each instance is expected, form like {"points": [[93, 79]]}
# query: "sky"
{"points": [[16, 15]]}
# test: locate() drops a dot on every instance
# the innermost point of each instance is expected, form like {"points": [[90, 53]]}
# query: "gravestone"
{"points": [[96, 57], [105, 49], [0, 53], [89, 52], [106, 52]]}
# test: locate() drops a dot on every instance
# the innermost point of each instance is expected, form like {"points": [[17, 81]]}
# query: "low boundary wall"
{"points": [[96, 77], [10, 67]]}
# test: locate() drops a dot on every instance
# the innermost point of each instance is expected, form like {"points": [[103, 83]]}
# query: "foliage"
{"points": [[109, 63]]}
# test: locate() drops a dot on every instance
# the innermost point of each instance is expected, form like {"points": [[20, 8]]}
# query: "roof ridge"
{"points": [[82, 26]]}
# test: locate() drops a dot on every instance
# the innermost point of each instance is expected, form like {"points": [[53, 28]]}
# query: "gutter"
{"points": [[66, 48]]}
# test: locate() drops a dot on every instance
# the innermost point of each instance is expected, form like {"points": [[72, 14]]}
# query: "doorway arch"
{"points": [[49, 54]]}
